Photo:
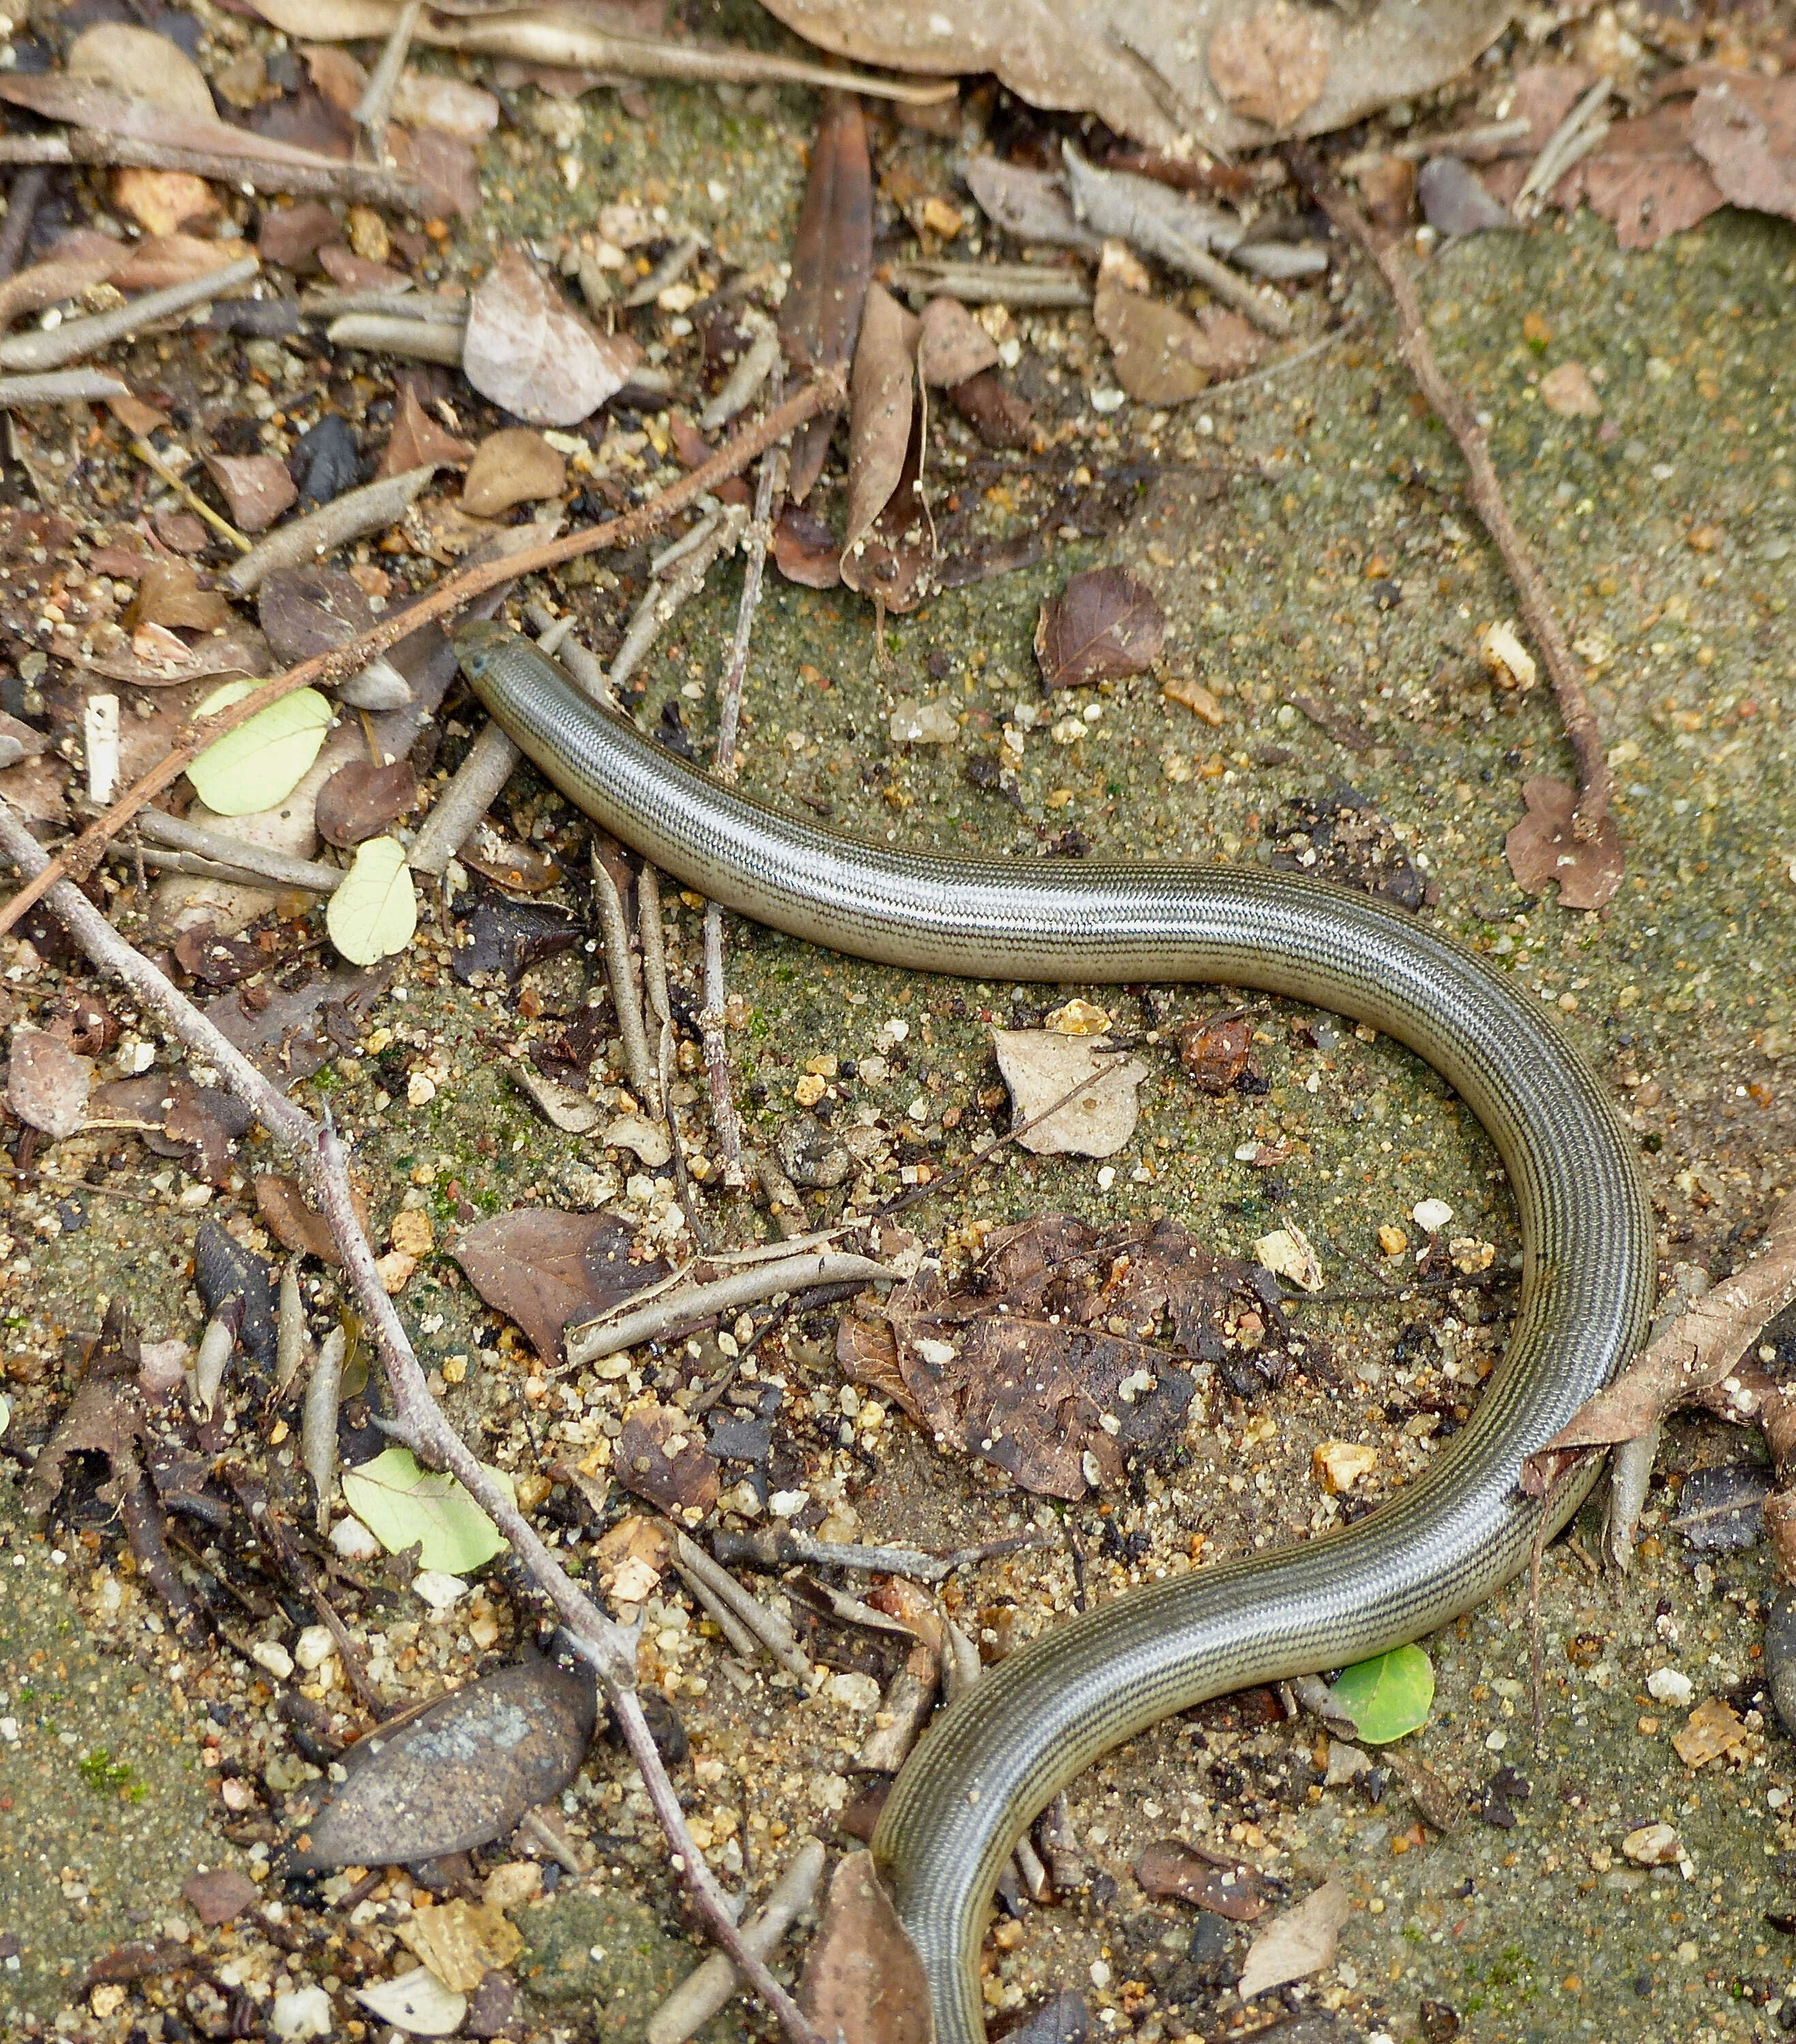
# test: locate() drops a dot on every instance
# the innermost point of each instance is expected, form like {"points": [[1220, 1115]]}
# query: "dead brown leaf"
{"points": [[293, 235], [1103, 625], [832, 261], [361, 800], [527, 350], [805, 550], [660, 1456], [49, 283], [1744, 129], [952, 346], [138, 61], [85, 104], [307, 611], [544, 1268], [513, 465], [458, 1774], [47, 1084], [1647, 178], [890, 545], [1226, 1886], [998, 416], [219, 1894], [1164, 357], [1269, 66], [1541, 847], [863, 1983], [257, 488], [417, 440], [295, 1225]]}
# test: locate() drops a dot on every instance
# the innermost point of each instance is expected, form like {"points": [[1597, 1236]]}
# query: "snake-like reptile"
{"points": [[988, 1764]]}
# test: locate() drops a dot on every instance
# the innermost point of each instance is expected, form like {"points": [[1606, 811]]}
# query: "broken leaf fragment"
{"points": [[461, 1942], [863, 1983], [1103, 626], [1542, 847], [1299, 1942], [417, 2003], [1040, 1067], [403, 1506], [1287, 1253], [262, 762], [373, 913], [1387, 1697], [527, 350]]}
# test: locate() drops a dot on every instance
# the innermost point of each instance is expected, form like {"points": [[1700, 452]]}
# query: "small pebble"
{"points": [[1431, 1215], [1666, 1685]]}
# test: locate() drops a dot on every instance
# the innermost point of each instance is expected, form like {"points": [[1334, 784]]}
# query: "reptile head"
{"points": [[478, 643]]}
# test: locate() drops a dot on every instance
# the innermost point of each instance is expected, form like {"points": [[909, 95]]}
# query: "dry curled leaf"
{"points": [[890, 545], [543, 1268], [1103, 625], [832, 261], [513, 465], [460, 1774], [1647, 179], [1299, 1942], [1541, 847], [1744, 129], [805, 550], [417, 440], [527, 349], [863, 1983], [47, 1083], [1162, 356]]}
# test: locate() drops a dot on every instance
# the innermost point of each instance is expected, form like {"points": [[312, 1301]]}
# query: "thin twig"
{"points": [[1595, 785], [63, 386], [56, 346], [784, 1547], [620, 968], [317, 876], [767, 1625], [679, 1312], [352, 515], [376, 107], [783, 1203], [194, 502], [700, 1996], [24, 196], [418, 1422], [654, 944], [821, 394], [357, 183]]}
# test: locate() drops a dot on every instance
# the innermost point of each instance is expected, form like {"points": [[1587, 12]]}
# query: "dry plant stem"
{"points": [[352, 515], [743, 1643], [779, 1546], [449, 596], [725, 1124], [376, 105], [63, 386], [677, 1311], [700, 1996], [24, 196], [317, 876], [684, 574], [318, 1151], [1466, 142], [620, 968], [471, 792], [783, 1203], [654, 944], [1595, 785], [55, 348], [690, 1862], [682, 1182], [231, 871], [391, 333], [357, 183], [767, 1625], [195, 503]]}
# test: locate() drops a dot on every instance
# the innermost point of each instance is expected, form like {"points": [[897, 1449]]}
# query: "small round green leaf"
{"points": [[1388, 1697], [402, 1504], [262, 762], [374, 911]]}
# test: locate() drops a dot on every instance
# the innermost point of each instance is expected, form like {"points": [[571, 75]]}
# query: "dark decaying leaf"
{"points": [[307, 610], [201, 1125], [417, 438], [1103, 625], [169, 594], [863, 1983], [832, 261], [142, 1959], [459, 1774], [325, 460], [1340, 836], [543, 1268], [805, 550], [660, 1457], [105, 1417], [47, 1083], [295, 1225], [359, 800], [883, 405], [1541, 847], [1062, 2019], [953, 345], [508, 937], [1647, 178], [291, 1033], [1021, 1367], [223, 1269], [1212, 1880], [1721, 1510], [998, 416], [527, 350], [257, 488]]}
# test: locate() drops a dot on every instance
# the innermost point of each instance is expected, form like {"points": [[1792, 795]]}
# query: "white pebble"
{"points": [[353, 1541], [1666, 1685], [439, 1590], [314, 1646], [304, 2012], [271, 1655], [1431, 1215]]}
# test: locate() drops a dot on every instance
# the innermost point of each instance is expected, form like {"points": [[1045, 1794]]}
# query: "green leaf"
{"points": [[374, 911], [262, 762], [1388, 1697], [400, 1503]]}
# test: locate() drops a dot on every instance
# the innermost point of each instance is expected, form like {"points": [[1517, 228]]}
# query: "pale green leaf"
{"points": [[1388, 1697], [374, 911], [262, 762], [402, 1504]]}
